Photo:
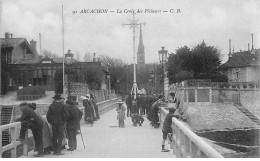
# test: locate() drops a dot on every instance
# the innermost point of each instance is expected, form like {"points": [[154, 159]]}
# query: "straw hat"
{"points": [[82, 97], [120, 102]]}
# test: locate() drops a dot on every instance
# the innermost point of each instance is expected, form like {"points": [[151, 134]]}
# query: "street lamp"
{"points": [[70, 56], [109, 84], [162, 57], [152, 79]]}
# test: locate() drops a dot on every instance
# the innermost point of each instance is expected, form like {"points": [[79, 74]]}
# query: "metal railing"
{"points": [[13, 130], [185, 143]]}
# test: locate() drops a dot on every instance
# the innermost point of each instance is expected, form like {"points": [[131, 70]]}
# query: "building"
{"points": [[140, 52], [21, 66], [12, 50], [243, 66]]}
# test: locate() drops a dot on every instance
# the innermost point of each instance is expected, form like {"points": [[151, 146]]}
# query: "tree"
{"points": [[118, 71], [49, 54], [87, 57], [199, 63], [206, 59]]}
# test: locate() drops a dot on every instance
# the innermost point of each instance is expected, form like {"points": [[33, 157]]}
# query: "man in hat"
{"points": [[56, 116], [121, 114], [30, 120], [74, 116], [166, 129]]}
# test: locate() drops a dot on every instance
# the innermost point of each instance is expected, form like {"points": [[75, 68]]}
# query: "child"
{"points": [[121, 114], [137, 119], [167, 127]]}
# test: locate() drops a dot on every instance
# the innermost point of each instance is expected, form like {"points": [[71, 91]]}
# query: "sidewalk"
{"points": [[106, 140]]}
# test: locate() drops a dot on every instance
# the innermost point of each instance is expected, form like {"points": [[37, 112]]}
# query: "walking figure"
{"points": [[121, 114]]}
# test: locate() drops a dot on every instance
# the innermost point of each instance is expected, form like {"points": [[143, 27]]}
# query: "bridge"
{"points": [[106, 140]]}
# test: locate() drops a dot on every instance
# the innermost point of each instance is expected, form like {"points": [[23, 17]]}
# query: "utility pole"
{"points": [[133, 24]]}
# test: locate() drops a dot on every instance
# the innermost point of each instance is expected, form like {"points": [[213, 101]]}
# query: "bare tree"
{"points": [[87, 57]]}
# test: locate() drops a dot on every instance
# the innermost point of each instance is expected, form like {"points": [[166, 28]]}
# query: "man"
{"points": [[167, 126], [129, 105], [73, 119], [56, 116], [153, 115], [30, 120], [137, 119]]}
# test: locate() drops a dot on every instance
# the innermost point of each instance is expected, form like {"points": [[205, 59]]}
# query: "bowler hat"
{"points": [[23, 103], [120, 102], [57, 97]]}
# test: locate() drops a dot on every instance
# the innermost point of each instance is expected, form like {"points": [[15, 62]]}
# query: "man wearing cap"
{"points": [[166, 129], [56, 116], [30, 120]]}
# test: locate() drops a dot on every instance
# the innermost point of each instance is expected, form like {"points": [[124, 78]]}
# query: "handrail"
{"points": [[13, 128], [186, 143]]}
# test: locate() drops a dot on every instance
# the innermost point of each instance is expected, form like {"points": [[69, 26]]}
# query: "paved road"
{"points": [[106, 140]]}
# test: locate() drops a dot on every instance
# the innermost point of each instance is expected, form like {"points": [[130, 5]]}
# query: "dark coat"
{"points": [[168, 122], [128, 102], [153, 113], [56, 114], [89, 109], [28, 114], [74, 116]]}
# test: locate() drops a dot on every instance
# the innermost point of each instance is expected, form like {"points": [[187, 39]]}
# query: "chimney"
{"points": [[233, 49], [229, 54], [7, 35], [33, 46], [252, 41], [11, 35], [248, 47]]}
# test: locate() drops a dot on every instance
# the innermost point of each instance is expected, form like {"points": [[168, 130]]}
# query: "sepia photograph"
{"points": [[129, 79]]}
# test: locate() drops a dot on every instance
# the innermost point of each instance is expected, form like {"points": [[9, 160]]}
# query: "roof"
{"points": [[38, 60], [243, 58], [13, 42]]}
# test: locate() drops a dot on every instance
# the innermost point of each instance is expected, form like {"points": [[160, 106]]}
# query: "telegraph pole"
{"points": [[133, 24]]}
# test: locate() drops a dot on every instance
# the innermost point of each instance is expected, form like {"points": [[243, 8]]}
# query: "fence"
{"points": [[13, 129], [185, 143]]}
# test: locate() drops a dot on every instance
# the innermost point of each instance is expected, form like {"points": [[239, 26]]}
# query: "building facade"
{"points": [[243, 66]]}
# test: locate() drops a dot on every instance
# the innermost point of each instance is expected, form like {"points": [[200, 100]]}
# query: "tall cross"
{"points": [[134, 24]]}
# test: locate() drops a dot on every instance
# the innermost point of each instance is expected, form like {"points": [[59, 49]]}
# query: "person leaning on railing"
{"points": [[167, 126], [30, 120]]}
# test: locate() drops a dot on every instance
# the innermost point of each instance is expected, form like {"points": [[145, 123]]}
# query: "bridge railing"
{"points": [[185, 143], [13, 131]]}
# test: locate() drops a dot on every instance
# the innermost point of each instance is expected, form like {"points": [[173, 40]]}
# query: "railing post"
{"points": [[13, 141], [187, 146], [194, 150], [25, 145]]}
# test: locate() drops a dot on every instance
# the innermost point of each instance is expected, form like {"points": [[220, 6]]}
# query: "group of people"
{"points": [[63, 121], [91, 109]]}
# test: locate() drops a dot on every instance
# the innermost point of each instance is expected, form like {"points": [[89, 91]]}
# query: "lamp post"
{"points": [[109, 84], [152, 80], [70, 56], [162, 57], [150, 84]]}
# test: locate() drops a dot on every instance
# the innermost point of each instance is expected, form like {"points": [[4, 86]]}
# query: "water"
{"points": [[245, 142]]}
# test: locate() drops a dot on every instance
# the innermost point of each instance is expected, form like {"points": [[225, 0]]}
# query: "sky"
{"points": [[214, 21]]}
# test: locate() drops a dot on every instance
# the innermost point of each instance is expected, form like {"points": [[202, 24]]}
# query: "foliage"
{"points": [[201, 62], [49, 54], [31, 90], [118, 70]]}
